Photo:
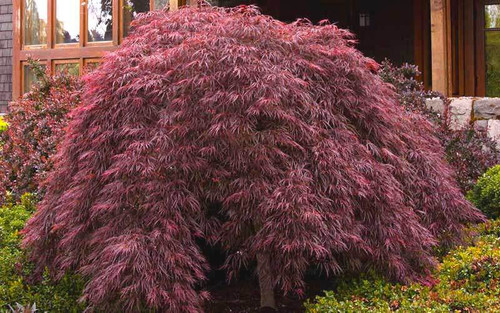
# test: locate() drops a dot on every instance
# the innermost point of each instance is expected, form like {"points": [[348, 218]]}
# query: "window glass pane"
{"points": [[493, 63], [130, 10], [67, 21], [29, 77], [35, 22], [492, 16], [100, 20], [160, 4], [72, 69], [90, 66]]}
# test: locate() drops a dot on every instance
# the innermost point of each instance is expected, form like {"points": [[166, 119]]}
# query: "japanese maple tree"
{"points": [[276, 141]]}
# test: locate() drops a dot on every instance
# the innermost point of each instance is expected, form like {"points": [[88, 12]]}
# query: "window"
{"points": [[492, 16], [130, 10], [364, 19], [29, 77], [160, 4], [492, 49], [67, 21], [90, 65], [35, 22], [70, 35], [100, 20], [69, 67]]}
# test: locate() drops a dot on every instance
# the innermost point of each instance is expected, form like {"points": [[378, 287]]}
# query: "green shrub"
{"points": [[467, 281], [486, 193], [14, 276]]}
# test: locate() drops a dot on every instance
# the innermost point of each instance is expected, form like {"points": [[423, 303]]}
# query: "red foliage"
{"points": [[36, 126], [264, 137]]}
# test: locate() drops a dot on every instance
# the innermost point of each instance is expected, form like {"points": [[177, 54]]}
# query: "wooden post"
{"points": [[16, 47], [440, 45]]}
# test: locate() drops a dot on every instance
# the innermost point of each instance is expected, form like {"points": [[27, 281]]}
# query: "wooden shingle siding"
{"points": [[5, 54]]}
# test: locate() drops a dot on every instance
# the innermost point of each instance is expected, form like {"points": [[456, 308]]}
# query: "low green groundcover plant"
{"points": [[486, 193], [467, 280], [14, 276]]}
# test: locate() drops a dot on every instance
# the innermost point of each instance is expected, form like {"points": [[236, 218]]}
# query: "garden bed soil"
{"points": [[243, 297]]}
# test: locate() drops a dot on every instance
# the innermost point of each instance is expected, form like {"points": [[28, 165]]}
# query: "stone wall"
{"points": [[483, 113], [5, 54]]}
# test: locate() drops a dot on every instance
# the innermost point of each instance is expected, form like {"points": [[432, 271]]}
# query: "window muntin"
{"points": [[130, 10], [99, 20], [67, 21], [35, 19]]}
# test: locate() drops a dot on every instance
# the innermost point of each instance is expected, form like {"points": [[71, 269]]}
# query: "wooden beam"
{"points": [[93, 51], [440, 45]]}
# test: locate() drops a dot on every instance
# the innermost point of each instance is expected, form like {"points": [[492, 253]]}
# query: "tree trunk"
{"points": [[265, 282]]}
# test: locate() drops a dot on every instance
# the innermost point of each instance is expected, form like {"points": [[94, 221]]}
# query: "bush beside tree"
{"points": [[15, 272], [37, 123], [274, 141], [467, 280], [486, 193]]}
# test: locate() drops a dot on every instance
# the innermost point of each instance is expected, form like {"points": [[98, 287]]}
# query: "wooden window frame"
{"points": [[52, 52]]}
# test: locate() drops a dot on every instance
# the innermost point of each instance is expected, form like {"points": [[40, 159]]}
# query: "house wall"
{"points": [[389, 35], [5, 54]]}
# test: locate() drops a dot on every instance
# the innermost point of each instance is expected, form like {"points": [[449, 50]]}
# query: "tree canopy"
{"points": [[275, 141]]}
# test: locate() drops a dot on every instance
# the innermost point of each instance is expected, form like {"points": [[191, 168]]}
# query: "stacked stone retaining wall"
{"points": [[483, 113]]}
